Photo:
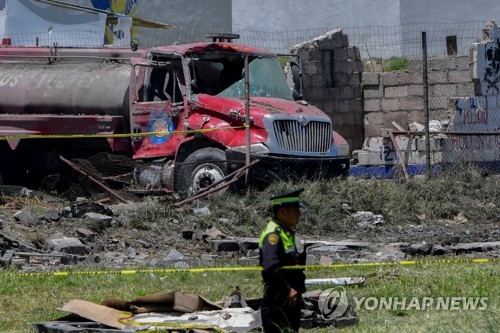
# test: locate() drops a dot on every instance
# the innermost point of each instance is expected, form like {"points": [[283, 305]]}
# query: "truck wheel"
{"points": [[201, 169]]}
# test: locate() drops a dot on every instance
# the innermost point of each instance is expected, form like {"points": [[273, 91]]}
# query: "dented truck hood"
{"points": [[259, 107]]}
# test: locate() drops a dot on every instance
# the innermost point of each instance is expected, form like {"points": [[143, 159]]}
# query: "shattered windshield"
{"points": [[224, 76], [266, 80]]}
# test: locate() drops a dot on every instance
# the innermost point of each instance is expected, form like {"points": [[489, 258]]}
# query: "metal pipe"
{"points": [[247, 119], [109, 190], [398, 152], [426, 106]]}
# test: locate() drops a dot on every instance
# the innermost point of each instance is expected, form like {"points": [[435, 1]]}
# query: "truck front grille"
{"points": [[313, 137]]}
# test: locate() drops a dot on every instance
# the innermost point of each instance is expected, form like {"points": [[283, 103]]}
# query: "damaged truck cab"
{"points": [[199, 90], [182, 106]]}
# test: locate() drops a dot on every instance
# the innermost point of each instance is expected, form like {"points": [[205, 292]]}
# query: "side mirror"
{"points": [[297, 96], [296, 74]]}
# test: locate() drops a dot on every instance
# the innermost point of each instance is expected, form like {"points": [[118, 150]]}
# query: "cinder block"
{"points": [[417, 77], [395, 92], [442, 115], [370, 158], [415, 65], [389, 104], [343, 106], [340, 55], [311, 68], [465, 89], [357, 92], [307, 81], [315, 55], [369, 79], [405, 78], [373, 144], [437, 77], [438, 103], [416, 116], [225, 245], [345, 40], [411, 103], [462, 63], [372, 130], [437, 157], [372, 105], [459, 76], [416, 157], [317, 81], [375, 118], [390, 79], [373, 92], [400, 117], [349, 67], [443, 90], [351, 52], [355, 79], [440, 64], [347, 93], [356, 106], [415, 90], [328, 106], [404, 143]]}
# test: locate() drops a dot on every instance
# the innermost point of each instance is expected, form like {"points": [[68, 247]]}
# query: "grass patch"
{"points": [[386, 65], [22, 297]]}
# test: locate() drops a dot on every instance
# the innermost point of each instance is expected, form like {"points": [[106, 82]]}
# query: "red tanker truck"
{"points": [[179, 110]]}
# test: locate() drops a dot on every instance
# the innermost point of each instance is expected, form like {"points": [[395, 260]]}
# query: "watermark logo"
{"points": [[454, 303], [333, 302]]}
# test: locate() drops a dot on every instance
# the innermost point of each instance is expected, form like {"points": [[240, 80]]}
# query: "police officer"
{"points": [[281, 304]]}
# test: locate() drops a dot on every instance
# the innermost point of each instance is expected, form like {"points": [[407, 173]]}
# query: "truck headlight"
{"points": [[343, 149], [257, 149]]}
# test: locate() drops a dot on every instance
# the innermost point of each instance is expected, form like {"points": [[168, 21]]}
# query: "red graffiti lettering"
{"points": [[475, 116]]}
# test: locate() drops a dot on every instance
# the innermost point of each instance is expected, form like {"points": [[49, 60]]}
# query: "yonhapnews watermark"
{"points": [[334, 302]]}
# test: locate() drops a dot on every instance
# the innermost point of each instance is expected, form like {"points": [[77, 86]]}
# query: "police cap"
{"points": [[288, 198]]}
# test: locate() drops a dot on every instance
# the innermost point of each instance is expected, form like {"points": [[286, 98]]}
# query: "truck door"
{"points": [[157, 90]]}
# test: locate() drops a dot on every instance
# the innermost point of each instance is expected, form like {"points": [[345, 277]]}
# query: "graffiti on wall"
{"points": [[126, 7]]}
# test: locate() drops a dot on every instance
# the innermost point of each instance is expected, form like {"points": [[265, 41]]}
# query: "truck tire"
{"points": [[201, 169]]}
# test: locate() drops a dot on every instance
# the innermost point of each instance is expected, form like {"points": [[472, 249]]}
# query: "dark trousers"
{"points": [[277, 315]]}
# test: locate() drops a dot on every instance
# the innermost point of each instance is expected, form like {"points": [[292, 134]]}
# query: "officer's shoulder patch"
{"points": [[273, 239]]}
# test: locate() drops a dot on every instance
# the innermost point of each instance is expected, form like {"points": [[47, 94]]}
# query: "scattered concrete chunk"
{"points": [[26, 217], [213, 233], [225, 245], [85, 233], [52, 215], [174, 255], [388, 252], [187, 233], [368, 217], [97, 216], [201, 211], [67, 245]]}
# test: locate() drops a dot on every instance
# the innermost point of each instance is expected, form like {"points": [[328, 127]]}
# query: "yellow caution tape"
{"points": [[123, 135], [257, 268]]}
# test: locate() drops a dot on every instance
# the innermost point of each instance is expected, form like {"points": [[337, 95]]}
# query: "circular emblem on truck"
{"points": [[162, 126]]}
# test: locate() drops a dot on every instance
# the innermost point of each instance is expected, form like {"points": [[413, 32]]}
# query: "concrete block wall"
{"points": [[463, 91], [398, 96], [342, 100]]}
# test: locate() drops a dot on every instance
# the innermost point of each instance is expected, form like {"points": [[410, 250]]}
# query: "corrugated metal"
{"points": [[313, 137]]}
